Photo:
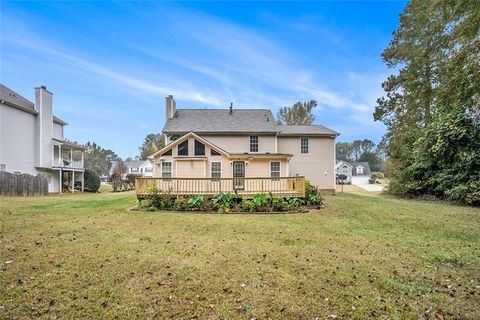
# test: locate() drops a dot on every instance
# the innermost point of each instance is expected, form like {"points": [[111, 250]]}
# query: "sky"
{"points": [[111, 64]]}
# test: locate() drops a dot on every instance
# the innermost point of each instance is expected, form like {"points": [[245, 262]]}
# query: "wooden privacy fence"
{"points": [[23, 184], [245, 187]]}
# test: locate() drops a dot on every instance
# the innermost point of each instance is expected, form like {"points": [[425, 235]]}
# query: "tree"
{"points": [[301, 113], [373, 160], [367, 145], [119, 169], [98, 159], [431, 103], [344, 151], [92, 181], [152, 143]]}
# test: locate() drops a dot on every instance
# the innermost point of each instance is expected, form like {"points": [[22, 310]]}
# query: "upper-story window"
{"points": [[214, 153], [253, 143], [304, 145], [199, 148], [133, 170], [167, 153], [183, 148]]}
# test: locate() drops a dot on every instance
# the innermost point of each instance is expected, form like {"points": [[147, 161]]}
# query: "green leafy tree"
{"points": [[374, 161], [301, 113], [344, 151], [431, 102], [98, 159], [152, 143]]}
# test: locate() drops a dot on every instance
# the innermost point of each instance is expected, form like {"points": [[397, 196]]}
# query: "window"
{"points": [[359, 170], [183, 148], [253, 143], [166, 169], [199, 148], [148, 169], [216, 170], [304, 145], [275, 170], [214, 153], [167, 153], [133, 170]]}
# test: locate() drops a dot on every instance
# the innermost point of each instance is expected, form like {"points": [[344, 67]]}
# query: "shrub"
{"points": [[377, 175], [246, 206], [293, 204], [261, 202], [196, 203], [158, 199], [312, 195], [223, 202], [180, 204], [279, 204], [91, 181]]}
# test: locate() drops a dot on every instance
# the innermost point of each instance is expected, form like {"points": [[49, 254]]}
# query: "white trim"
{"points": [[334, 163], [171, 169], [211, 171], [276, 143], [279, 168], [186, 136], [308, 146]]}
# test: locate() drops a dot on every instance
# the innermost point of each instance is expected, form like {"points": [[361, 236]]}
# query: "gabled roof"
{"points": [[185, 137], [365, 165], [15, 100], [221, 121], [341, 163], [239, 121]]}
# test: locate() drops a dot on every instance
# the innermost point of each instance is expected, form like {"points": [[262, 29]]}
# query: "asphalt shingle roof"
{"points": [[220, 120], [239, 121]]}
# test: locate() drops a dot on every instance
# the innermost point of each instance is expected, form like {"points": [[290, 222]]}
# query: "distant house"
{"points": [[137, 167], [32, 141], [361, 169], [343, 167]]}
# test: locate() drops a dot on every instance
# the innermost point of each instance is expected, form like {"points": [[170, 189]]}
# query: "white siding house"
{"points": [[32, 141]]}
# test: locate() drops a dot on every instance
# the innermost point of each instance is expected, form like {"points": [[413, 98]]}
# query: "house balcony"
{"points": [[67, 155]]}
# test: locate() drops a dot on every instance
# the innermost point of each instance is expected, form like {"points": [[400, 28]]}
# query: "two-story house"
{"points": [[243, 143], [32, 141], [136, 167]]}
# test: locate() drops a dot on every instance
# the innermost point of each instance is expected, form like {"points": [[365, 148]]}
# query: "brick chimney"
{"points": [[170, 107]]}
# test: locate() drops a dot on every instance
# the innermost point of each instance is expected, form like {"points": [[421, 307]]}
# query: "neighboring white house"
{"points": [[137, 167], [343, 167], [32, 141]]}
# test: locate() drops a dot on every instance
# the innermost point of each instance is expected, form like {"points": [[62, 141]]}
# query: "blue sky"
{"points": [[111, 64]]}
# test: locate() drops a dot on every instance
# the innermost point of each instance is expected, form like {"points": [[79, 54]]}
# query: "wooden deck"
{"points": [[245, 187]]}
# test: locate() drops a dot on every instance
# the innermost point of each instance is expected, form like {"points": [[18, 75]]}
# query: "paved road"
{"points": [[362, 182]]}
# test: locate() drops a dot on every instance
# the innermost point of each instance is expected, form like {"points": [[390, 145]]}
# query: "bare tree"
{"points": [[118, 171]]}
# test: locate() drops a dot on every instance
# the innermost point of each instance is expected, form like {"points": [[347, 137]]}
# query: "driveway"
{"points": [[362, 182]]}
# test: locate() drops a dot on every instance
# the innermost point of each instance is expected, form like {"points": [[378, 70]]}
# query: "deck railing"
{"points": [[245, 187]]}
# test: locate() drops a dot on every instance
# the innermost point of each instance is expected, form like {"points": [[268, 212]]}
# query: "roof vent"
{"points": [[231, 107]]}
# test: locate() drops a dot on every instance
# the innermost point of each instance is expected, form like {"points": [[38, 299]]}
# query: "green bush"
{"points": [[246, 206], [196, 203], [294, 204], [180, 204], [92, 181], [261, 202], [279, 204], [312, 195], [223, 202], [377, 175], [159, 200]]}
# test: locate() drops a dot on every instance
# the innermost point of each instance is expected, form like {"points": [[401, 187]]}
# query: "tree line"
{"points": [[431, 105], [361, 151]]}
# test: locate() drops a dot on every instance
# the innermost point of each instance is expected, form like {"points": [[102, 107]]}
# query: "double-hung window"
{"points": [[275, 170], [216, 170], [304, 145], [166, 169], [253, 143]]}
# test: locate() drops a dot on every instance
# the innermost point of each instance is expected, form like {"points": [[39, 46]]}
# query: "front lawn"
{"points": [[87, 256]]}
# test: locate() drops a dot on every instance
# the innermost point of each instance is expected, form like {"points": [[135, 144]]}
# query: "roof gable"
{"points": [[184, 138]]}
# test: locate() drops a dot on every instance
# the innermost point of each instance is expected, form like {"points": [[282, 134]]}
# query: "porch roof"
{"points": [[68, 144]]}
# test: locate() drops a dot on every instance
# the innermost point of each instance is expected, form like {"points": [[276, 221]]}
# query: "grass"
{"points": [[87, 256]]}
